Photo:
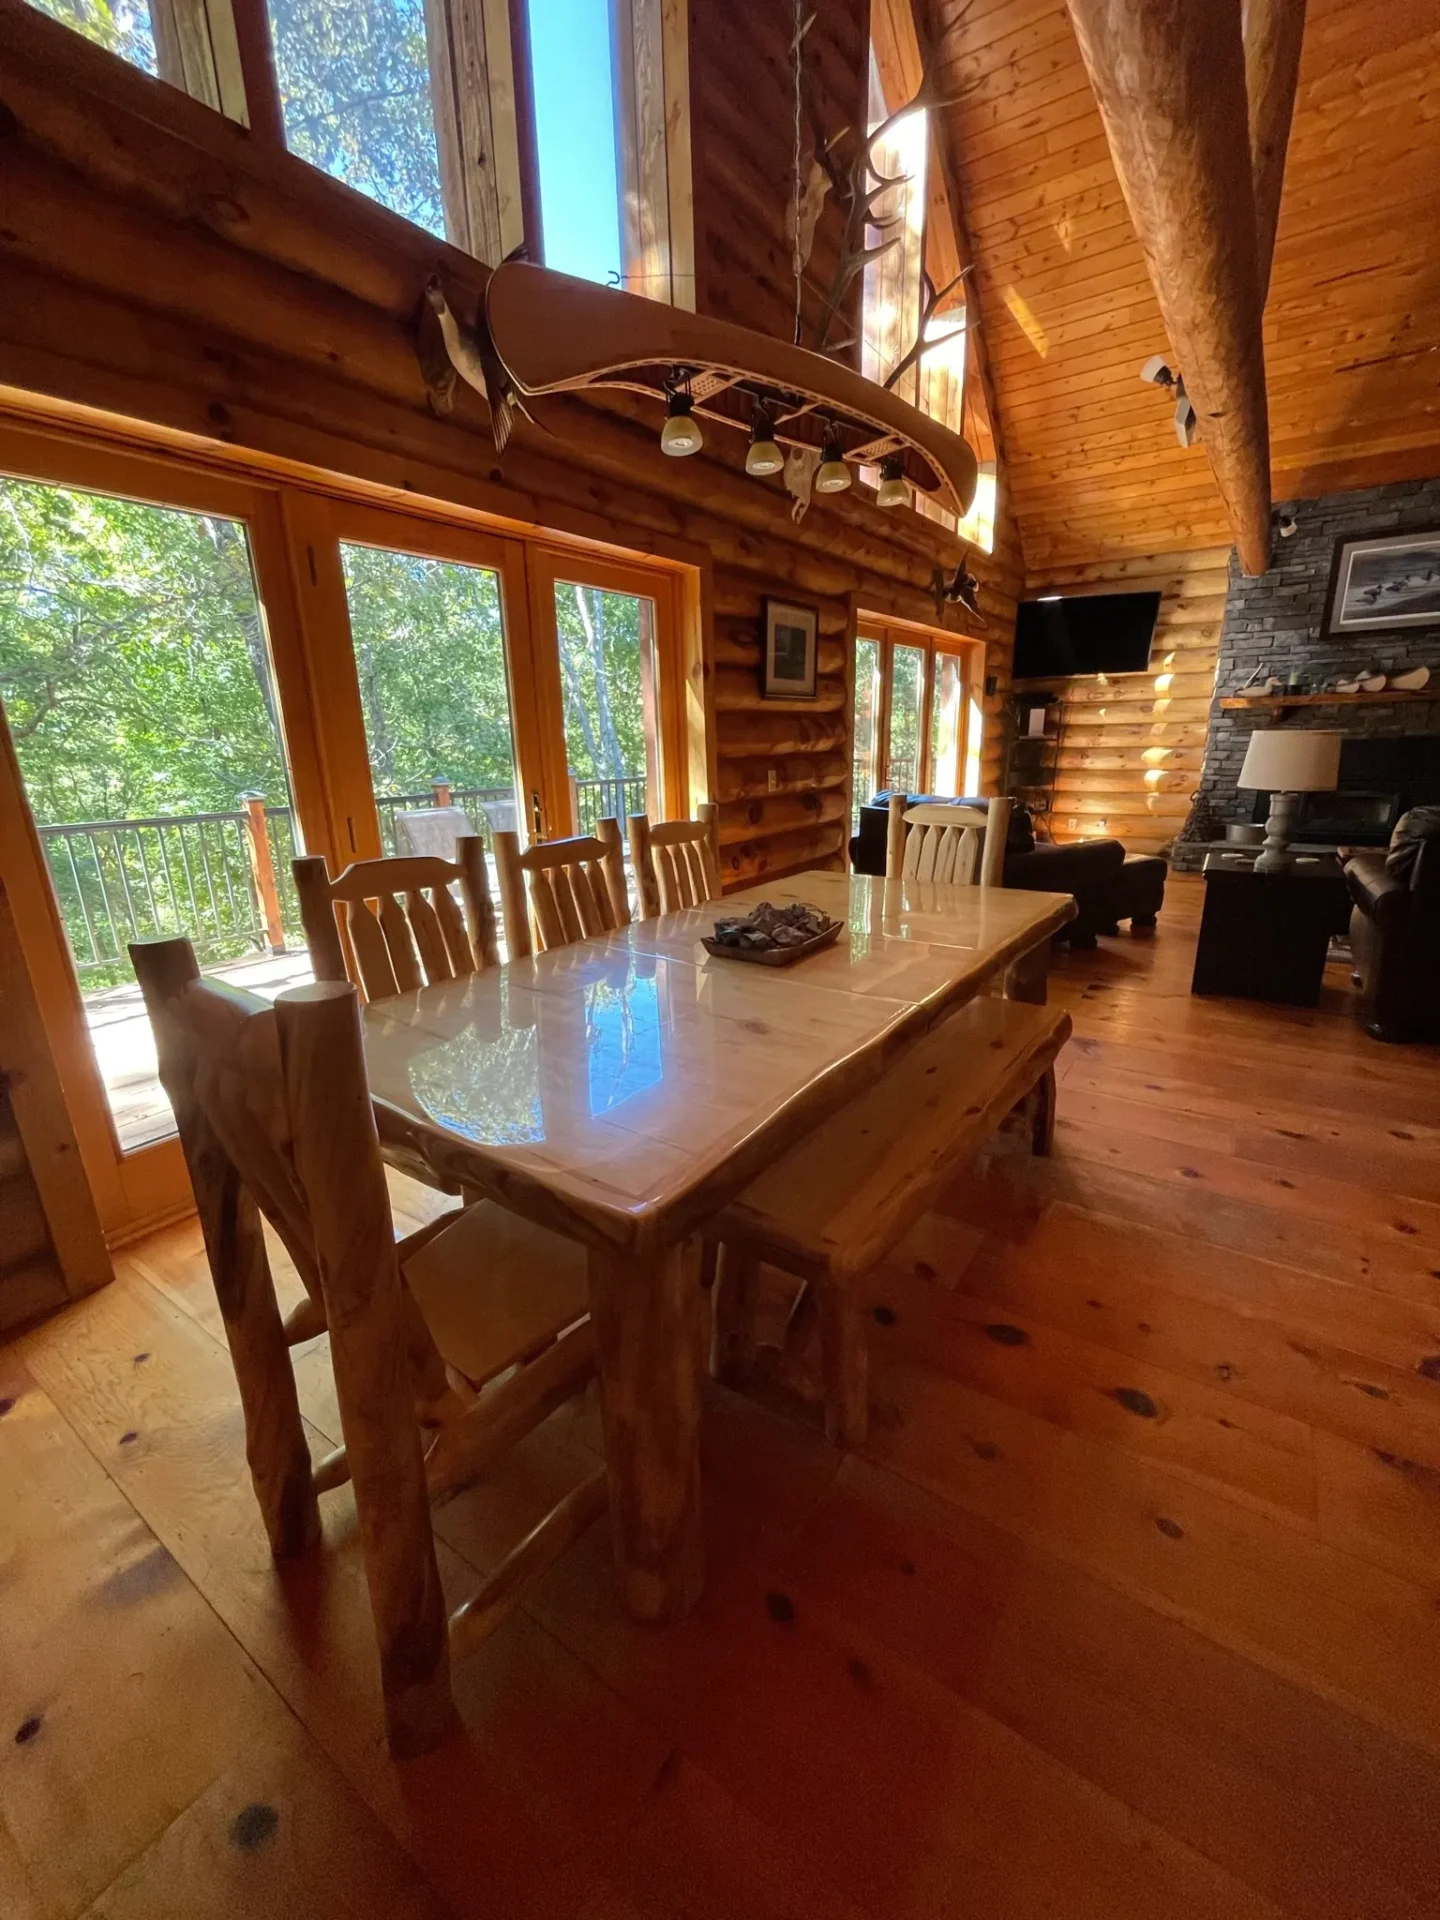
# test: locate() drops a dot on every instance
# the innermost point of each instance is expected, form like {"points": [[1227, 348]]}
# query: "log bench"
{"points": [[845, 1195]]}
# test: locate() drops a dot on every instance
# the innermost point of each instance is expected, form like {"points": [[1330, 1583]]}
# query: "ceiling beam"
{"points": [[1169, 79], [1272, 31]]}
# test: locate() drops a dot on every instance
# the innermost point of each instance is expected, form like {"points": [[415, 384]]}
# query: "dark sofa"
{"points": [[1107, 886], [1395, 928]]}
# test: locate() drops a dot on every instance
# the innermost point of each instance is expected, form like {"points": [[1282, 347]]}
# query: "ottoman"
{"points": [[1136, 893]]}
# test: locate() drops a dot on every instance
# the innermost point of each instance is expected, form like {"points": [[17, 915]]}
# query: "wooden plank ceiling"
{"points": [[1352, 328]]}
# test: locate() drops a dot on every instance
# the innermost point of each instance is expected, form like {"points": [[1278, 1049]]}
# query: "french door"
{"points": [[917, 712], [158, 769], [204, 676]]}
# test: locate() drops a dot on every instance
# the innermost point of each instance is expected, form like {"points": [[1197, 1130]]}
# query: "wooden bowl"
{"points": [[777, 956]]}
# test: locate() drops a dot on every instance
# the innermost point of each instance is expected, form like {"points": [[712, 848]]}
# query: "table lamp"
{"points": [[1284, 762]]}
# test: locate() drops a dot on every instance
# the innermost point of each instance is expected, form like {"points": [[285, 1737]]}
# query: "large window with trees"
{"points": [[918, 715], [203, 676], [354, 79], [559, 125], [914, 290]]}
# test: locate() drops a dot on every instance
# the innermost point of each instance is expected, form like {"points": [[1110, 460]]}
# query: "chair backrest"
{"points": [[676, 862], [433, 831], [404, 924], [577, 888], [954, 845]]}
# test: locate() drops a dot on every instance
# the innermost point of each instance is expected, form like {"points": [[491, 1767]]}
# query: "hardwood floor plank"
{"points": [[1311, 1806], [1014, 1192], [1193, 1428], [1403, 1160], [101, 1639], [1255, 1332], [278, 1833], [1129, 1610], [1357, 1634], [875, 1776], [309, 1630]]}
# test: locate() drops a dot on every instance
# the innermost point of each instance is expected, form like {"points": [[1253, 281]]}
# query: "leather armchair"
{"points": [[1395, 929]]}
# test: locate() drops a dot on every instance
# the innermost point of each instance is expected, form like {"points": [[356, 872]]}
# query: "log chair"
{"points": [[577, 888], [275, 1118]]}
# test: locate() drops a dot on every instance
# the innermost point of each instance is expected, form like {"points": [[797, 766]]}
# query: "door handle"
{"points": [[537, 815]]}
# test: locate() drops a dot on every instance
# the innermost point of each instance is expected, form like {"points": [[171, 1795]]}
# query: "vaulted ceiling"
{"points": [[1352, 327]]}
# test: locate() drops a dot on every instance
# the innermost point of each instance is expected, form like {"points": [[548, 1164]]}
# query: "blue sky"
{"points": [[575, 132]]}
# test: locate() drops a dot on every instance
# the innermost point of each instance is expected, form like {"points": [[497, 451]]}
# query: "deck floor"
{"points": [[1130, 1608], [125, 1047]]}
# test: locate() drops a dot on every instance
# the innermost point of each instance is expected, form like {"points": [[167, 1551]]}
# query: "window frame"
{"points": [[895, 54], [887, 634]]}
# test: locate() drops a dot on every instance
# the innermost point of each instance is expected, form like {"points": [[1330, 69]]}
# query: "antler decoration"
{"points": [[929, 307], [866, 188]]}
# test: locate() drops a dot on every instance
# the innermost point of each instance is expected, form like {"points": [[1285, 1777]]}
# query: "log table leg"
{"points": [[1028, 977], [647, 1312]]}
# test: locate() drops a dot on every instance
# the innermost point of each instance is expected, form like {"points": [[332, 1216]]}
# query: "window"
{"points": [[575, 137], [917, 713], [901, 285], [867, 697], [355, 93], [190, 43], [126, 29], [609, 87], [141, 697]]}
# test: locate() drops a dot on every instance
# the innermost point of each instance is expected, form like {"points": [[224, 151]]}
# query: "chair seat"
{"points": [[493, 1288], [841, 1198]]}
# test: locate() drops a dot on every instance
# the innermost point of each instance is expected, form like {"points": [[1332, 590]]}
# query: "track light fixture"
{"points": [[763, 457], [894, 488], [681, 433], [1185, 421], [834, 475]]}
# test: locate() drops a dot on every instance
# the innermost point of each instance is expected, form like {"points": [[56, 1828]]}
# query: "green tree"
{"points": [[133, 663], [430, 653], [124, 28], [355, 86]]}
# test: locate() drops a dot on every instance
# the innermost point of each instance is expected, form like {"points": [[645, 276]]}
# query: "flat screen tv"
{"points": [[1074, 634]]}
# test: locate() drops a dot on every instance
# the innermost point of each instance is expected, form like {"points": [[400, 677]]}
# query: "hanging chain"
{"points": [[796, 261]]}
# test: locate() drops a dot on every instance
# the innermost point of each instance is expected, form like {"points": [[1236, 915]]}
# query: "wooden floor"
{"points": [[1131, 1607]]}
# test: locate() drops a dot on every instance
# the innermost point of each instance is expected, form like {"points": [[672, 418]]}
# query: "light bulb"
{"points": [[681, 432], [834, 475], [894, 488], [763, 456]]}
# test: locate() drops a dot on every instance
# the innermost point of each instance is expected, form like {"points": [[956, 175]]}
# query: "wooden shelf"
{"points": [[1236, 700]]}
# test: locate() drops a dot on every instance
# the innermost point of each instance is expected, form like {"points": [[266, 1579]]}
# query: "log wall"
{"points": [[163, 266], [742, 117], [1134, 743]]}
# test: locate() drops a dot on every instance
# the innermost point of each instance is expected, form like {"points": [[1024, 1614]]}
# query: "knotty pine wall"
{"points": [[163, 266], [1134, 744]]}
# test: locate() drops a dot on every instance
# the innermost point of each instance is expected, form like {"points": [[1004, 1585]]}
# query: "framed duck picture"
{"points": [[788, 661], [1388, 580]]}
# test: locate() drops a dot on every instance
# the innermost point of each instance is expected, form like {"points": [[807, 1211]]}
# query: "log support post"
{"points": [[262, 870], [1169, 77]]}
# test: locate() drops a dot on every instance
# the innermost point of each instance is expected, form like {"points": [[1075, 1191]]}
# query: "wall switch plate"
{"points": [[772, 779]]}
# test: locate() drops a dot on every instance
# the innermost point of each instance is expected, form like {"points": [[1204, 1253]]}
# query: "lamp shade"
{"points": [[1286, 760]]}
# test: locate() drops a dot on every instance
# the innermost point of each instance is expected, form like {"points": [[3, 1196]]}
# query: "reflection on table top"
{"points": [[625, 1087]]}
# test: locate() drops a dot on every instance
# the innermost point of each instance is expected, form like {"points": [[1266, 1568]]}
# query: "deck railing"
{"points": [[223, 879], [597, 800]]}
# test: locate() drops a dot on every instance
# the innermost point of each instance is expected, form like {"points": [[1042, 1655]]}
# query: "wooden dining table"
{"points": [[623, 1089]]}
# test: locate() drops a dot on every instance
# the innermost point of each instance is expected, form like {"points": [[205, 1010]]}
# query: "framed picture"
{"points": [[788, 667], [1392, 580]]}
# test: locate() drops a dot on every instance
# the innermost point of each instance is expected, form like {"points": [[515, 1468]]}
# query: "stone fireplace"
{"points": [[1391, 756]]}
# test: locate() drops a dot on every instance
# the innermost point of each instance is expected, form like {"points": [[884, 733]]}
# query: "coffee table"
{"points": [[1264, 936]]}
